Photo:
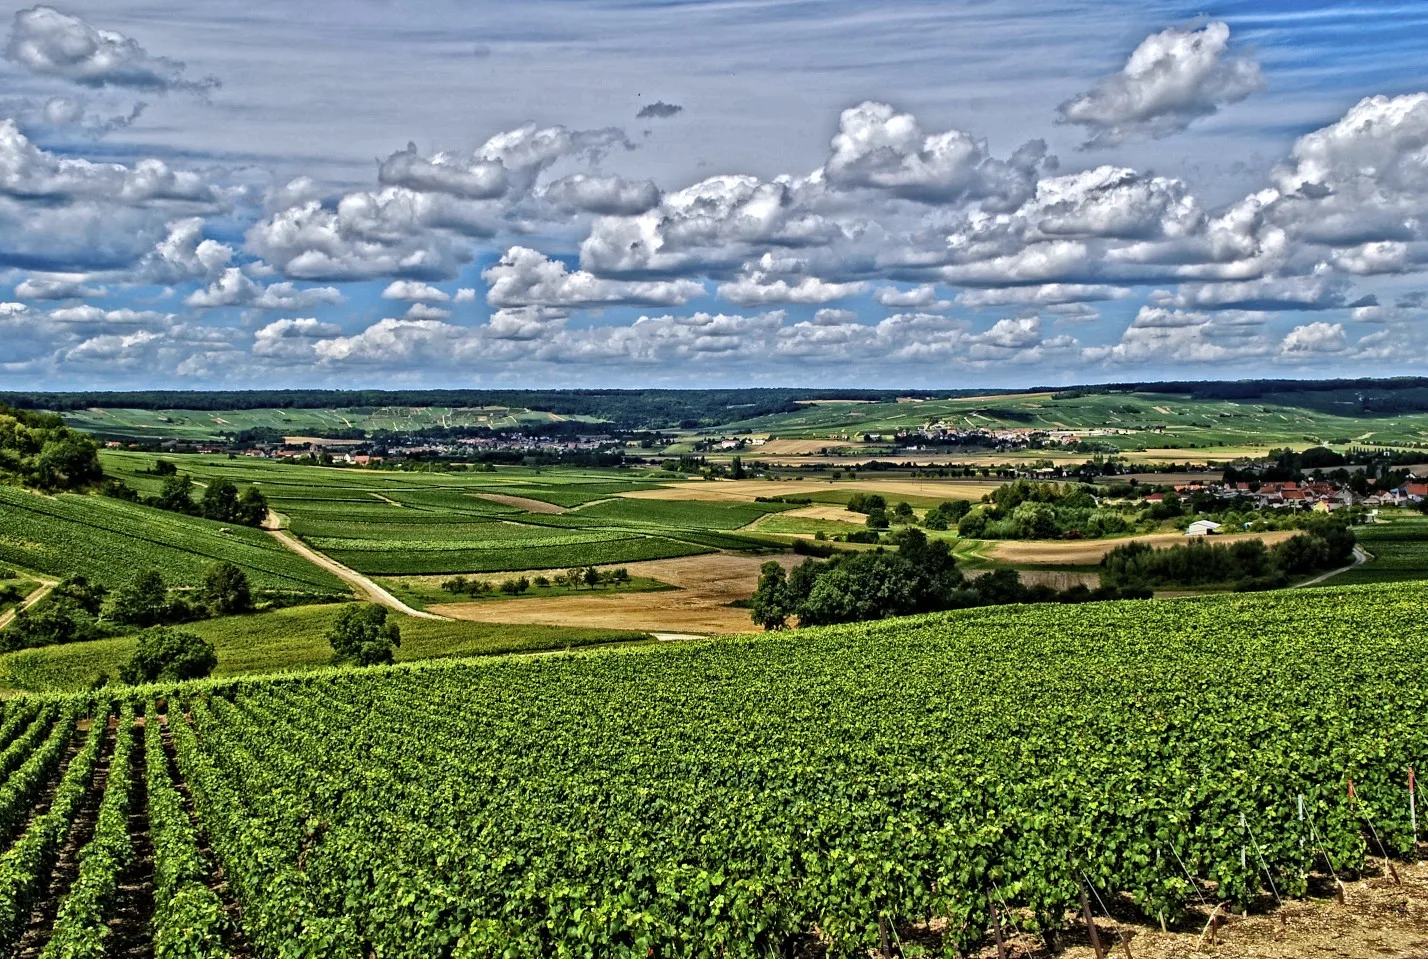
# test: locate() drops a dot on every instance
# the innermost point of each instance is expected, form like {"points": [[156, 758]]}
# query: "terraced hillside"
{"points": [[847, 789]]}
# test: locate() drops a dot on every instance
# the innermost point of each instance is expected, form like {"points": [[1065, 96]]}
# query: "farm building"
{"points": [[1202, 527]]}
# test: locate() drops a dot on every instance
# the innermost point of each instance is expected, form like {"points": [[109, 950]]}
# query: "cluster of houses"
{"points": [[1323, 497], [362, 453]]}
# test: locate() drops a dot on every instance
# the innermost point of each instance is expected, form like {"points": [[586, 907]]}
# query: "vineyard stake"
{"points": [[1324, 850], [1120, 937], [997, 928], [1354, 800], [1090, 923], [1412, 807], [883, 937]]}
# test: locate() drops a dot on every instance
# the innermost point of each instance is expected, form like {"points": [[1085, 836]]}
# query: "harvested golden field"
{"points": [[1088, 552], [706, 587], [796, 447], [746, 491]]}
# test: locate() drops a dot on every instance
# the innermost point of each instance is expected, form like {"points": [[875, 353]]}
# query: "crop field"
{"points": [[214, 425], [828, 789], [1399, 548], [107, 540], [1155, 420], [293, 639]]}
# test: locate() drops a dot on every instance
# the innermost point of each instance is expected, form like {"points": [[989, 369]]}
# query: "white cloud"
{"points": [[526, 277], [1314, 339], [45, 41], [464, 295], [292, 338], [415, 291], [56, 286], [605, 194], [425, 311], [878, 148], [233, 288], [1172, 79], [922, 297], [1160, 335]]}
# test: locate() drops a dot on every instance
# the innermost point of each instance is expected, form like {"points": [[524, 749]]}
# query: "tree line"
{"points": [[922, 576], [38, 450], [1245, 564]]}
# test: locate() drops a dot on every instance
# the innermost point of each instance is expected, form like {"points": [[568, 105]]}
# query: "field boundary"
{"points": [[35, 596]]}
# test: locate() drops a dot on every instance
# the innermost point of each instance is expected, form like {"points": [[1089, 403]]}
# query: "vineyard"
{"points": [[848, 787], [107, 539]]}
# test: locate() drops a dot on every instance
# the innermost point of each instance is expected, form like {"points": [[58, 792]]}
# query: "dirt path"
{"points": [[364, 586], [699, 606], [30, 600], [1360, 557]]}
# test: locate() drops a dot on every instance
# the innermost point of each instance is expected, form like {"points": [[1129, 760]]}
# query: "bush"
{"points": [[362, 634], [168, 655]]}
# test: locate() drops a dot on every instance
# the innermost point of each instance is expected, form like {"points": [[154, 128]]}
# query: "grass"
{"points": [[424, 591], [291, 639]]}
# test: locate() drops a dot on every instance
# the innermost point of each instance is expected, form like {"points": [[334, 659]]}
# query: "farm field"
{"points": [[704, 588], [916, 490], [422, 591], [886, 777], [214, 425], [1398, 547], [1019, 553], [293, 639]]}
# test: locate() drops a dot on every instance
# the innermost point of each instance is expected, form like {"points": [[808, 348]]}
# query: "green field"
{"points": [[1399, 549], [824, 788], [200, 425], [288, 640], [1156, 420], [108, 540], [386, 522]]}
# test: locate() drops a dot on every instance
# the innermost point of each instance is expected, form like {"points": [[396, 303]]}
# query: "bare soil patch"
{"points": [[796, 447], [1089, 552], [744, 491], [700, 604], [522, 502], [836, 514], [1378, 920]]}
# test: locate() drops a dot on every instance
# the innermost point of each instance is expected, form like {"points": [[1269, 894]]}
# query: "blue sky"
{"points": [[557, 193]]}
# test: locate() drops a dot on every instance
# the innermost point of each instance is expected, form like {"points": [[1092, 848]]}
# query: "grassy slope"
{"points": [[290, 639], [212, 425], [1279, 421], [108, 540]]}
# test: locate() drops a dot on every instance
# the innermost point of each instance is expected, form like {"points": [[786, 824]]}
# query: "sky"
{"points": [[696, 193]]}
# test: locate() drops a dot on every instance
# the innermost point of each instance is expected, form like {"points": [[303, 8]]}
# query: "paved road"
{"points": [[369, 590], [30, 600], [1360, 557]]}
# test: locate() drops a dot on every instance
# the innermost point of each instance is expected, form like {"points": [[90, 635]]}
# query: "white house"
{"points": [[1201, 527]]}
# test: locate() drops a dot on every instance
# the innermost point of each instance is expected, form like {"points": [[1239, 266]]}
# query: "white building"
{"points": [[1201, 527]]}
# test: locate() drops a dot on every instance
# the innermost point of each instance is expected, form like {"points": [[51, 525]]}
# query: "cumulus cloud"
{"points": [[1173, 78], [878, 148], [415, 291], [45, 41], [922, 297], [233, 288], [604, 194], [1317, 338], [770, 281], [659, 110], [425, 311], [292, 338], [1159, 335], [526, 277]]}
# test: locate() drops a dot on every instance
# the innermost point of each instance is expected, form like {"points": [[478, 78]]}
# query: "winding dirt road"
{"points": [[30, 600], [365, 586]]}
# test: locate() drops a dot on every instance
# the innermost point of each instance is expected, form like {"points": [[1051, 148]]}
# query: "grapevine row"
{"points": [[24, 785], [80, 929], [20, 748], [189, 921], [25, 867]]}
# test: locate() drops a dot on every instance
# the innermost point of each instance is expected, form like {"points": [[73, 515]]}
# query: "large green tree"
{"points": [[363, 634], [167, 655]]}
